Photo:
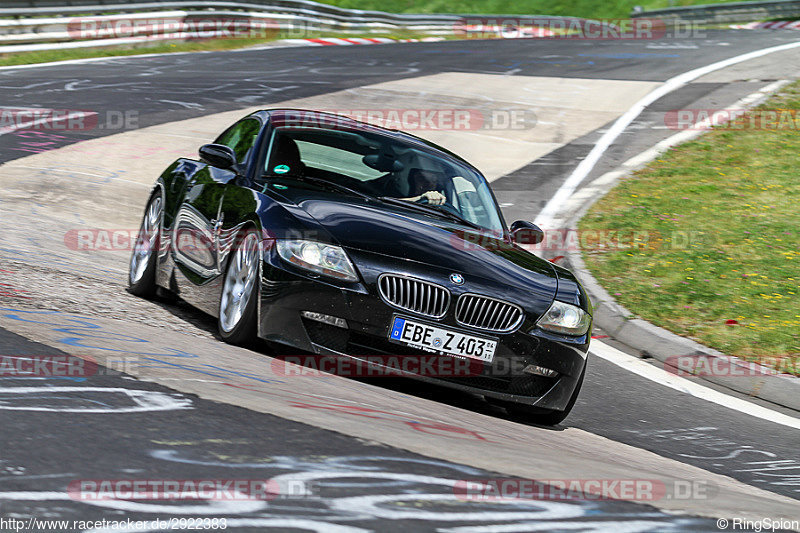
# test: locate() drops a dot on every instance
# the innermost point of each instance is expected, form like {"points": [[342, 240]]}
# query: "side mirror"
{"points": [[523, 232], [218, 155]]}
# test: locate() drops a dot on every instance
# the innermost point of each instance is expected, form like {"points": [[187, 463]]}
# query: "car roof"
{"points": [[324, 120]]}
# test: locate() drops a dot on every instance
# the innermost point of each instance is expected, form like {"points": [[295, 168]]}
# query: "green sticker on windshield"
{"points": [[281, 169]]}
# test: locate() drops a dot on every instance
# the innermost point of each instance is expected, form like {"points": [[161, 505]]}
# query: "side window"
{"points": [[241, 137]]}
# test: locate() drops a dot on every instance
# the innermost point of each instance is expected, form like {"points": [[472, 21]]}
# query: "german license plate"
{"points": [[441, 340]]}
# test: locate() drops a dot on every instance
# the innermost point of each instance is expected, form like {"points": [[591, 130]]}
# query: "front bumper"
{"points": [[286, 294]]}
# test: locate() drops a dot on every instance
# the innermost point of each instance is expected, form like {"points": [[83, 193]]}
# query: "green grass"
{"points": [[576, 8], [737, 194], [46, 56]]}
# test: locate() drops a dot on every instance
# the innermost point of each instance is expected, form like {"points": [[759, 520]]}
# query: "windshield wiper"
{"points": [[429, 210]]}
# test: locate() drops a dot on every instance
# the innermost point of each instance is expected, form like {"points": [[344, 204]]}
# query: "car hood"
{"points": [[360, 225]]}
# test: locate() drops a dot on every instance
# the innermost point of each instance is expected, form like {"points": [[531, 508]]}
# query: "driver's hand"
{"points": [[434, 197]]}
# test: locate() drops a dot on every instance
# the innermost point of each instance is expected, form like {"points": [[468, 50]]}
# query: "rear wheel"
{"points": [[142, 268], [238, 300], [545, 417]]}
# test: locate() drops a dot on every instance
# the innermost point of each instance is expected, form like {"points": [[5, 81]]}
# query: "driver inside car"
{"points": [[421, 184], [428, 185]]}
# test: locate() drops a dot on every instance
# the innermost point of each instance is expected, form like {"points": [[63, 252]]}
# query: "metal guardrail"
{"points": [[32, 8], [726, 12], [41, 25], [28, 25], [24, 34]]}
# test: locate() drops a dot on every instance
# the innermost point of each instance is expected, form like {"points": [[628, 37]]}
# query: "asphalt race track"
{"points": [[374, 455]]}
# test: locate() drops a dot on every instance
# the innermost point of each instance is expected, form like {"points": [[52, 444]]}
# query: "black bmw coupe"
{"points": [[346, 240]]}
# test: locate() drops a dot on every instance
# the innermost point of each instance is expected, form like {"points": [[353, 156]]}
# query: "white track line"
{"points": [[668, 379], [555, 204], [98, 59], [34, 496]]}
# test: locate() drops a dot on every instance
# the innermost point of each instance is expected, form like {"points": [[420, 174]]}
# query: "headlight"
{"points": [[565, 318], [325, 259]]}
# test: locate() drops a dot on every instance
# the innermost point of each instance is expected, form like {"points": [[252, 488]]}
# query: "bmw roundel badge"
{"points": [[458, 279]]}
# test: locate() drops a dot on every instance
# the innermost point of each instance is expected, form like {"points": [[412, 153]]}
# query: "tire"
{"points": [[237, 317], [545, 417], [142, 266]]}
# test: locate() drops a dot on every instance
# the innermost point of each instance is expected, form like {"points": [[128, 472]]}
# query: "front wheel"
{"points": [[142, 268], [544, 417], [239, 298]]}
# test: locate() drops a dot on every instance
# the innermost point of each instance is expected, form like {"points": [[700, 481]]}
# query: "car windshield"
{"points": [[383, 167]]}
